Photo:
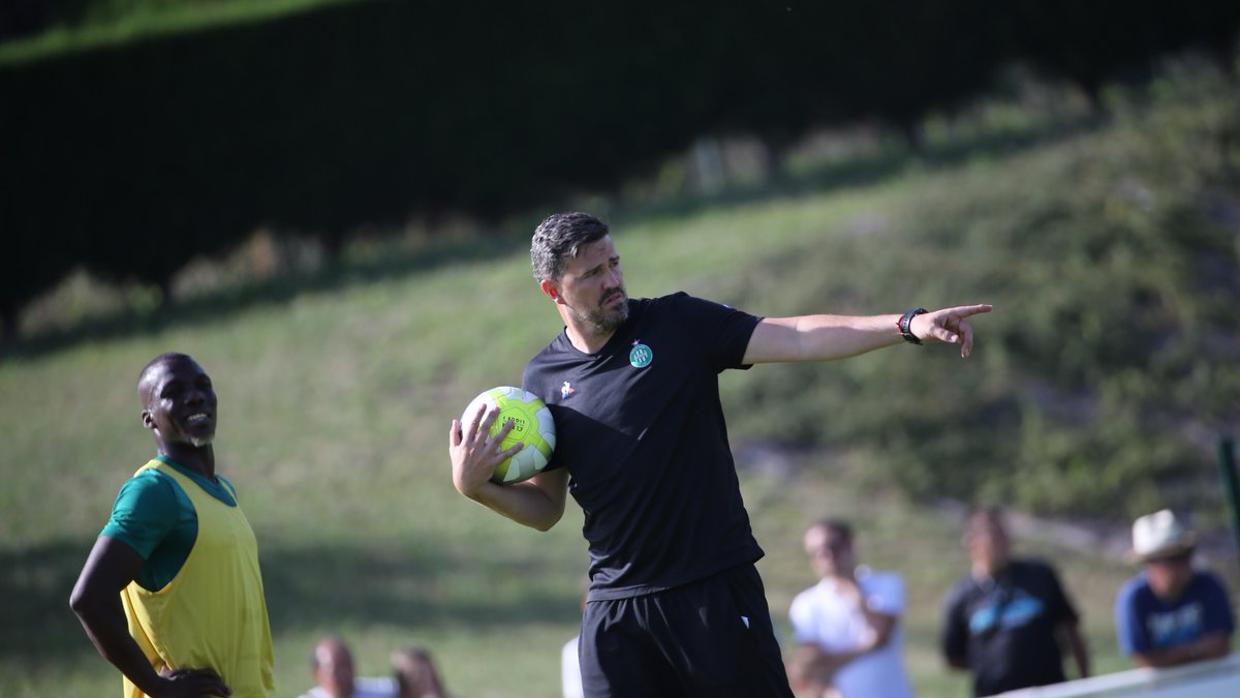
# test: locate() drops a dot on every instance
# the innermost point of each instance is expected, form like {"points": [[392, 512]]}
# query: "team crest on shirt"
{"points": [[566, 390], [640, 355]]}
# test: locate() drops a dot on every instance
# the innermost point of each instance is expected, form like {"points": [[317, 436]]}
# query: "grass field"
{"points": [[334, 406]]}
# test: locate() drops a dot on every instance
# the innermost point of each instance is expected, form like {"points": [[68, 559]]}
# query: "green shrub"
{"points": [[1111, 362]]}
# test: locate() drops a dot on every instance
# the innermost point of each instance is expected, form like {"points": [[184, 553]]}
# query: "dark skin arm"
{"points": [[1209, 646], [954, 645], [955, 659], [1071, 633], [96, 600]]}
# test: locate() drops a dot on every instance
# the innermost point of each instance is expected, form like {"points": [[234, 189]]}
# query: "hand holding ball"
{"points": [[532, 427]]}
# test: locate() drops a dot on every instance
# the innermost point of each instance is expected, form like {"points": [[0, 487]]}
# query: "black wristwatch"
{"points": [[905, 324]]}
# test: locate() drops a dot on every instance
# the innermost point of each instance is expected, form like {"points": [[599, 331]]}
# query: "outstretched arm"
{"points": [[828, 337], [537, 502], [96, 600]]}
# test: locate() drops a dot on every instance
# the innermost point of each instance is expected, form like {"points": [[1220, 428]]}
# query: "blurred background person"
{"points": [[570, 663], [332, 666], [416, 675], [1005, 620], [1171, 613], [848, 625], [570, 670]]}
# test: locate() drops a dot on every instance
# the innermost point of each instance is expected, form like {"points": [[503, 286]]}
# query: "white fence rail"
{"points": [[1219, 678]]}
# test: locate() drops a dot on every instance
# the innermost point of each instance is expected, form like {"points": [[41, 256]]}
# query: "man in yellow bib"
{"points": [[171, 593]]}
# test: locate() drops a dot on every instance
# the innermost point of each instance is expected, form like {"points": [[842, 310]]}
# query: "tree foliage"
{"points": [[1111, 364], [133, 159]]}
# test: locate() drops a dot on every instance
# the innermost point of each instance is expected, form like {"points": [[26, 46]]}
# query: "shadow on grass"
{"points": [[307, 588], [847, 172], [35, 621], [317, 587]]}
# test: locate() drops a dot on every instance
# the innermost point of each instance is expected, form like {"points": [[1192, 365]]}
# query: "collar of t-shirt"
{"points": [[617, 338], [213, 486]]}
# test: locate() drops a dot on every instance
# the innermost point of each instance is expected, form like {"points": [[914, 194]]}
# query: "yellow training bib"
{"points": [[213, 613]]}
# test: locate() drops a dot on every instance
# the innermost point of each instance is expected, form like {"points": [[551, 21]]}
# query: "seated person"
{"points": [[1171, 614], [333, 672]]}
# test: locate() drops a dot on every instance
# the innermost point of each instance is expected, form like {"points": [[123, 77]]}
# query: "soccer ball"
{"points": [[532, 425]]}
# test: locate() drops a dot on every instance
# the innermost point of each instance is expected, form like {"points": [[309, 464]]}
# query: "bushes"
{"points": [[1112, 361], [133, 159]]}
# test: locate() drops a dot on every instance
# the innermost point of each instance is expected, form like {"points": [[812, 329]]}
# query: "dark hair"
{"points": [[165, 358], [415, 672], [325, 640], [558, 239], [838, 526], [989, 515]]}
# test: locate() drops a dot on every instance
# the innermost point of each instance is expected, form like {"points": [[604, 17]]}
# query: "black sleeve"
{"points": [[721, 333], [527, 381], [1061, 608], [954, 638], [556, 461], [530, 382]]}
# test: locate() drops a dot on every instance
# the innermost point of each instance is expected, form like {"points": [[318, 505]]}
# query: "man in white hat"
{"points": [[1171, 613]]}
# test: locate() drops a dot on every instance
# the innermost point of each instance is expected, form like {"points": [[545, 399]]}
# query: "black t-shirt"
{"points": [[1005, 628], [641, 430]]}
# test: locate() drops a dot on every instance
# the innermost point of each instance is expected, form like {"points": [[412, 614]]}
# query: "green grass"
{"points": [[147, 21], [335, 403]]}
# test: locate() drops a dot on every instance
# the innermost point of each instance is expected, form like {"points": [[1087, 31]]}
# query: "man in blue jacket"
{"points": [[1171, 613]]}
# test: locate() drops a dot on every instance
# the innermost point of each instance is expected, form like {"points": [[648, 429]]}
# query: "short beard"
{"points": [[197, 442], [605, 321]]}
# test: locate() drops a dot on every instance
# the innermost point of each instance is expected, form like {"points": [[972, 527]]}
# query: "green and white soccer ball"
{"points": [[532, 426]]}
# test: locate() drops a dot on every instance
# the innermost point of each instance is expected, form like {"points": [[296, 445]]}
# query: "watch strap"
{"points": [[905, 324]]}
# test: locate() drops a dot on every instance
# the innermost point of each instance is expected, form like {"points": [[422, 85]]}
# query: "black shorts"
{"points": [[712, 637]]}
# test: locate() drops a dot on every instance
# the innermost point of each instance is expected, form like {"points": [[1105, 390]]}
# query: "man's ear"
{"points": [[551, 290], [147, 420]]}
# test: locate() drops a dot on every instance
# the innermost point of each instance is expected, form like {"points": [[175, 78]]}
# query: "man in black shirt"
{"points": [[675, 605], [1005, 619]]}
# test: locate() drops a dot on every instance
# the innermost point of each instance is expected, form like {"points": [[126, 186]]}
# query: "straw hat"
{"points": [[1160, 535]]}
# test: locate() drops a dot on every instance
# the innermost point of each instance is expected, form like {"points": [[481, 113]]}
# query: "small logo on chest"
{"points": [[640, 355], [566, 390]]}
